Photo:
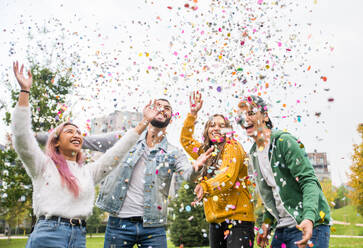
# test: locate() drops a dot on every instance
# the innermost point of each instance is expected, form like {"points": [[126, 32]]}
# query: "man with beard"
{"points": [[136, 193]]}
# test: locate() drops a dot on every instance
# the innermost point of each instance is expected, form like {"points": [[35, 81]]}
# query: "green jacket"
{"points": [[299, 188]]}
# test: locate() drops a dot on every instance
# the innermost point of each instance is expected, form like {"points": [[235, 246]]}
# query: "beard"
{"points": [[160, 124]]}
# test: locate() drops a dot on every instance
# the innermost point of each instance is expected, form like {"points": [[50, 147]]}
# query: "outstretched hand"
{"points": [[150, 111], [202, 159], [195, 102], [25, 83]]}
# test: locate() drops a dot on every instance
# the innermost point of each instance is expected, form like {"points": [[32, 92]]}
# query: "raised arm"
{"points": [[24, 140], [112, 158], [190, 145], [98, 142]]}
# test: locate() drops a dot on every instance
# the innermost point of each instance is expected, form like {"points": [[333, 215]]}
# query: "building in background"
{"points": [[118, 120], [320, 163]]}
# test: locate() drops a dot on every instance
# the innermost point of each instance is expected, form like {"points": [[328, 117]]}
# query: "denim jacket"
{"points": [[164, 160]]}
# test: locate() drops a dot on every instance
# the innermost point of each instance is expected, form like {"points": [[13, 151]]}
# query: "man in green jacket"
{"points": [[293, 199]]}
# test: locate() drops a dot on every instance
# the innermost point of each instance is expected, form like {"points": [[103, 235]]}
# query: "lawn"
{"points": [[98, 243], [347, 214], [95, 242]]}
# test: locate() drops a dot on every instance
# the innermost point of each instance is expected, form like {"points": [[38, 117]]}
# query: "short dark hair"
{"points": [[165, 100]]}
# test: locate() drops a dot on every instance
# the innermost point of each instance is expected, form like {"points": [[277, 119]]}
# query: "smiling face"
{"points": [[252, 120], [162, 119], [70, 141], [215, 129]]}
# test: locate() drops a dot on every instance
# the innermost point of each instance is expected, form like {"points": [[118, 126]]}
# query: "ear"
{"points": [[56, 144]]}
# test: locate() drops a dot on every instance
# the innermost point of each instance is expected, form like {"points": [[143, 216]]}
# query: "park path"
{"points": [[344, 223]]}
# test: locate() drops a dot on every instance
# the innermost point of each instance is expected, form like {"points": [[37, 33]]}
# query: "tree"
{"points": [[356, 176], [188, 226], [15, 188], [47, 98], [330, 191], [95, 220], [342, 199]]}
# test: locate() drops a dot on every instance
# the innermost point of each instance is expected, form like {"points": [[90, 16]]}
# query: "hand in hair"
{"points": [[202, 159], [25, 83], [195, 102]]}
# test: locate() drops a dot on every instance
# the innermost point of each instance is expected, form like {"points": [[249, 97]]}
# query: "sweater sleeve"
{"points": [[228, 172], [25, 143], [302, 170], [108, 161], [98, 142], [190, 145], [101, 142]]}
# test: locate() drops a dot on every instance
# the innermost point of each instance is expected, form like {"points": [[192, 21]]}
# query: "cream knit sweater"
{"points": [[50, 197]]}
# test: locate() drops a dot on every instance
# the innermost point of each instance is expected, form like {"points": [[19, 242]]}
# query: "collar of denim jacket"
{"points": [[163, 145]]}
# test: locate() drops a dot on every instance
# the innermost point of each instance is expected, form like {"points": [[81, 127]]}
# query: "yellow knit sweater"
{"points": [[226, 194]]}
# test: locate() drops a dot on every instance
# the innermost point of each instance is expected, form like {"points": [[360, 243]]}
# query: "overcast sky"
{"points": [[123, 63]]}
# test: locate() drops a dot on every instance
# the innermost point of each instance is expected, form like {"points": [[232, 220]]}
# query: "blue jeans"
{"points": [[125, 233], [288, 236], [55, 234]]}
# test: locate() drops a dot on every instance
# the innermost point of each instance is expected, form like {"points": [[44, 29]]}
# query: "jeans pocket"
{"points": [[46, 225]]}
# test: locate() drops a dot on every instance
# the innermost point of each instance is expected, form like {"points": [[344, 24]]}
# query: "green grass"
{"points": [[345, 242], [95, 242], [347, 230], [98, 243], [347, 214]]}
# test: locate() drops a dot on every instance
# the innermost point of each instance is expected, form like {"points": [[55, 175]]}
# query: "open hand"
{"points": [[150, 111], [195, 102], [25, 83], [202, 159], [306, 226]]}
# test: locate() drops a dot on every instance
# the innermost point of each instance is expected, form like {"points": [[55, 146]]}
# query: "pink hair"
{"points": [[53, 152]]}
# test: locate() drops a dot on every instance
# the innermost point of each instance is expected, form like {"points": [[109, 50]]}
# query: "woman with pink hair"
{"points": [[63, 187]]}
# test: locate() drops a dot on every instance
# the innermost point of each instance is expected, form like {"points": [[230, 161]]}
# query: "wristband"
{"points": [[25, 91]]}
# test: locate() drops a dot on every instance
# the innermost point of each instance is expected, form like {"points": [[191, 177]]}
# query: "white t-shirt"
{"points": [[134, 200], [285, 219]]}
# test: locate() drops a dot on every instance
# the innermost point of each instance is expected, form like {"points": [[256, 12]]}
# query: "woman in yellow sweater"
{"points": [[223, 182]]}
